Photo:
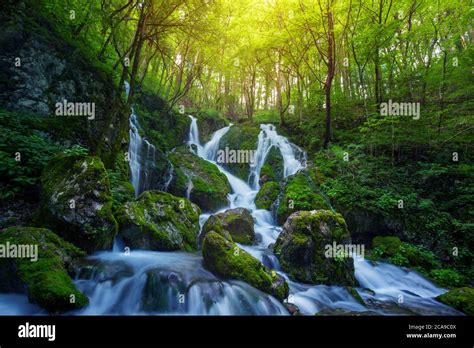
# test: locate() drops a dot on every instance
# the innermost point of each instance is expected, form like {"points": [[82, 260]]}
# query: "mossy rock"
{"points": [[209, 186], [164, 128], [46, 280], [301, 248], [225, 259], [267, 195], [159, 221], [273, 169], [461, 299], [240, 137], [233, 224], [355, 294], [77, 202], [299, 192], [208, 121]]}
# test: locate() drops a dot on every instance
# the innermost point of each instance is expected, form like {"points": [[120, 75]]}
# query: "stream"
{"points": [[176, 283]]}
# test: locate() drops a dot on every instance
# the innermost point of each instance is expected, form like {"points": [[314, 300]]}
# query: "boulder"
{"points": [[240, 137], [301, 248], [199, 179], [159, 221], [300, 192], [238, 223], [267, 195], [273, 169], [46, 279], [461, 299], [76, 201], [225, 259]]}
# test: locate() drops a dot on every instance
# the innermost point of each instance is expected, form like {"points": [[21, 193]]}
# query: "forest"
{"points": [[352, 121]]}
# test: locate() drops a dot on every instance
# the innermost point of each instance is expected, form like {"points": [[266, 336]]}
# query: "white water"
{"points": [[115, 282], [141, 154]]}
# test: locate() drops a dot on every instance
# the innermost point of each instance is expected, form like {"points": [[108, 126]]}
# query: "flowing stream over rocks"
{"points": [[176, 283]]}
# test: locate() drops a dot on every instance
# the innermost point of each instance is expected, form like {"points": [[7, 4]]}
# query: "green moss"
{"points": [[301, 248], [448, 278], [46, 280], [210, 186], [234, 225], [240, 137], [267, 194], [355, 294], [159, 221], [461, 299], [299, 193], [227, 260], [209, 121], [273, 169], [82, 180]]}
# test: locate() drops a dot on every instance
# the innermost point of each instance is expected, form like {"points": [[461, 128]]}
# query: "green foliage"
{"points": [[448, 278], [76, 150], [24, 151], [403, 254]]}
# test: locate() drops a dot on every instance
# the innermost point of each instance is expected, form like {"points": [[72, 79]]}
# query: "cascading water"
{"points": [[148, 282], [267, 139], [141, 154]]}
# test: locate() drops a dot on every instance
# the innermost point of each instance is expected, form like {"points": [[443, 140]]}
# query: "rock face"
{"points": [[77, 202], [300, 192], [240, 137], [238, 223], [224, 258], [51, 71], [301, 248], [461, 299], [267, 194], [200, 179], [159, 221], [365, 225], [46, 280]]}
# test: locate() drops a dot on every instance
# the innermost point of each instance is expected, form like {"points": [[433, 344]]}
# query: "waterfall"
{"points": [[141, 154], [267, 139], [117, 283]]}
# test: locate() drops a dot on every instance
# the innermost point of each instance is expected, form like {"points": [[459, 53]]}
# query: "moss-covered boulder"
{"points": [[461, 299], [46, 279], [225, 259], [76, 201], [200, 179], [302, 245], [267, 195], [238, 223], [159, 221], [300, 192], [273, 169], [240, 137]]}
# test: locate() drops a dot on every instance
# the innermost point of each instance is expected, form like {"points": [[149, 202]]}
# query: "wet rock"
{"points": [[301, 248]]}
